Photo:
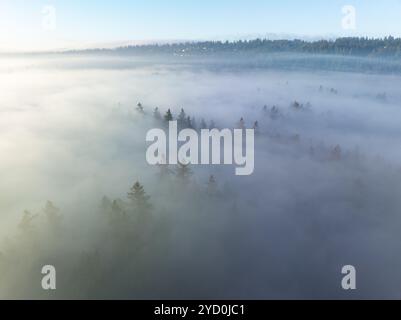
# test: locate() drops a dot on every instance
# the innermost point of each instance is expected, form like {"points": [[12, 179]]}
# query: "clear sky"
{"points": [[28, 24]]}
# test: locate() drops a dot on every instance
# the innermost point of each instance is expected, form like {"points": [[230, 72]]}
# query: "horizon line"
{"points": [[165, 42]]}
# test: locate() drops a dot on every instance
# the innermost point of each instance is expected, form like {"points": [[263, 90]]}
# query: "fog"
{"points": [[325, 192]]}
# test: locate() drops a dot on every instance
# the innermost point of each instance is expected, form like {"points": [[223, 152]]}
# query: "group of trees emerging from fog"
{"points": [[185, 121], [184, 232], [372, 47], [139, 202]]}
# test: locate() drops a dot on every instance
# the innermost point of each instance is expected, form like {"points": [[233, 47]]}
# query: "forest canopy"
{"points": [[355, 46]]}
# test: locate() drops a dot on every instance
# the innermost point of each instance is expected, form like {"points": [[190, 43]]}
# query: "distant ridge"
{"points": [[355, 46]]}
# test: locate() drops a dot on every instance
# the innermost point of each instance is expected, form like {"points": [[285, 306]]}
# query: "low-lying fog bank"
{"points": [[325, 191]]}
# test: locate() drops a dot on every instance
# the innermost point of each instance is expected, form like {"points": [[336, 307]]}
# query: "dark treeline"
{"points": [[371, 47]]}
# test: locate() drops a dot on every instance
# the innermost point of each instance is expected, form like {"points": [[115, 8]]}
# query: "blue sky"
{"points": [[99, 21]]}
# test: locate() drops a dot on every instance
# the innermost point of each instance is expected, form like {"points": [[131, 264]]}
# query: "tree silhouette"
{"points": [[256, 127], [156, 114], [274, 112], [52, 215], [189, 123], [241, 124], [356, 46], [333, 91], [117, 215], [138, 197], [26, 222], [168, 116], [140, 108], [203, 124], [212, 125], [296, 105], [182, 119], [335, 153]]}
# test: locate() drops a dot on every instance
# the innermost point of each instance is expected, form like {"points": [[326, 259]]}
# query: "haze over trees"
{"points": [[351, 46], [76, 191]]}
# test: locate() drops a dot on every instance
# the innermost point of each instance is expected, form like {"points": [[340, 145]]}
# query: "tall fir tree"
{"points": [[182, 119], [168, 116], [139, 197], [256, 127]]}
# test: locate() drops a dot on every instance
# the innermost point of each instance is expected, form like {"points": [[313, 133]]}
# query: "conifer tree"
{"points": [[156, 114], [189, 123], [168, 116], [140, 108], [274, 112], [256, 127], [182, 119], [241, 124], [203, 124], [139, 197], [26, 222], [52, 214], [296, 105], [117, 214], [212, 125], [336, 153]]}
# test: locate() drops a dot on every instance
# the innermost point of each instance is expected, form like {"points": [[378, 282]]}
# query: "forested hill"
{"points": [[367, 47]]}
